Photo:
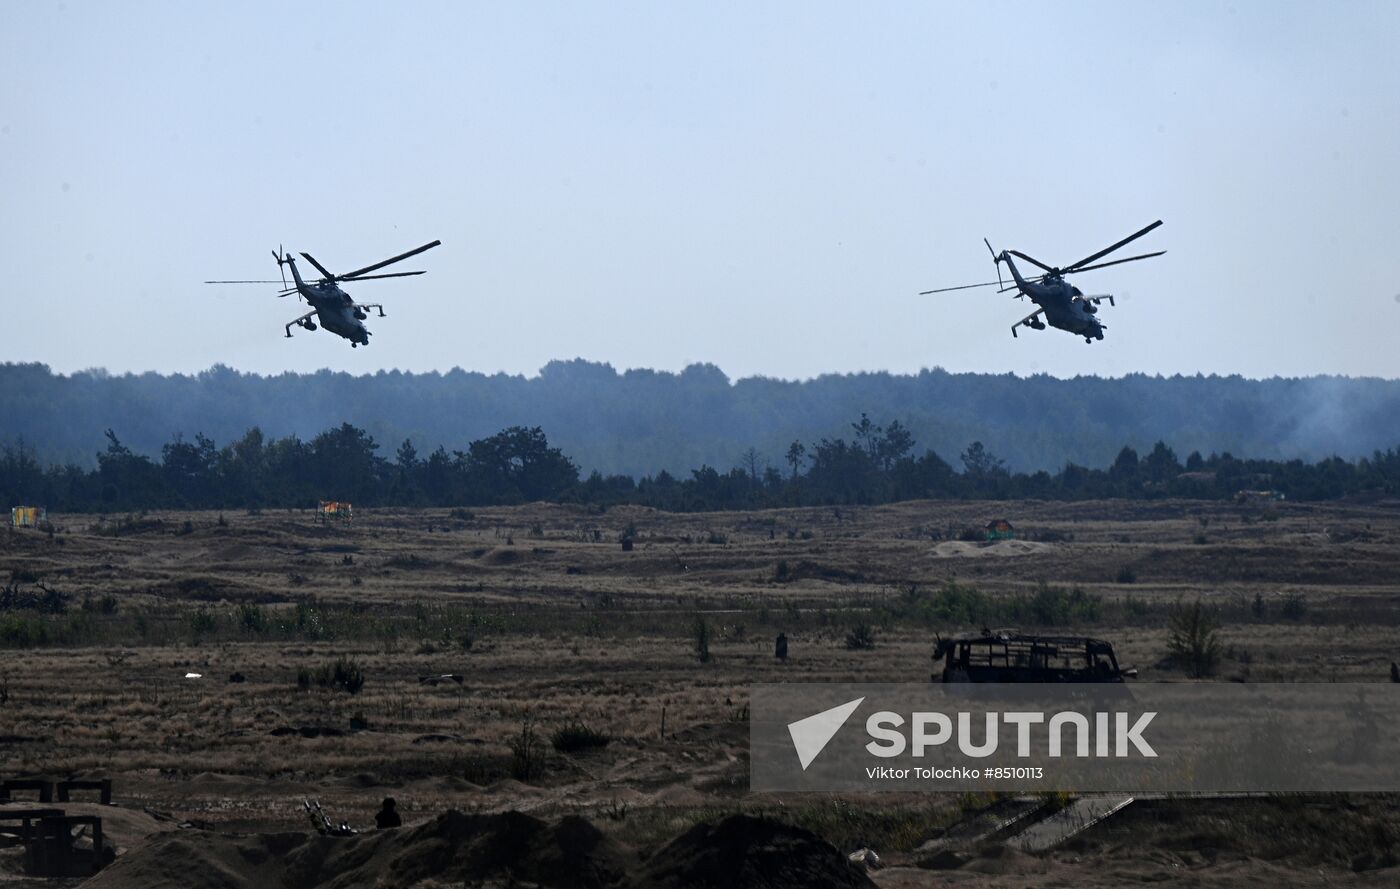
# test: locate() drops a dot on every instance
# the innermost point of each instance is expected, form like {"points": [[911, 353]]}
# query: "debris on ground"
{"points": [[748, 851]]}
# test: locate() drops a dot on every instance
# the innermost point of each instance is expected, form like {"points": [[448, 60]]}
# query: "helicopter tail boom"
{"points": [[1015, 272], [296, 275]]}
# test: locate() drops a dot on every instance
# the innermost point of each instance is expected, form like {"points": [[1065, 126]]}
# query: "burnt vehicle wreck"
{"points": [[1009, 656]]}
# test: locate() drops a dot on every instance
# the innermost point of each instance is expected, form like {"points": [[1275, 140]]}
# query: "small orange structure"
{"points": [[1000, 529], [334, 509], [28, 516]]}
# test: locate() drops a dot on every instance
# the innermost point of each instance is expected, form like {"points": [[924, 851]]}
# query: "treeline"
{"points": [[875, 464], [639, 422]]}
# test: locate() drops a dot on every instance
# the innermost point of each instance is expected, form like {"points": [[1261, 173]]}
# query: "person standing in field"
{"points": [[388, 815]]}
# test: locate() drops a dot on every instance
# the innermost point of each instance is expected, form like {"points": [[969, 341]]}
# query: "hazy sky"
{"points": [[764, 186]]}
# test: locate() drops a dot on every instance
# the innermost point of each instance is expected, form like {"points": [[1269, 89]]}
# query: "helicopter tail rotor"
{"points": [[996, 261], [277, 255], [282, 259]]}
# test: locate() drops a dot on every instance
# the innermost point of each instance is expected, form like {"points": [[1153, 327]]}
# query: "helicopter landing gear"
{"points": [[354, 345]]}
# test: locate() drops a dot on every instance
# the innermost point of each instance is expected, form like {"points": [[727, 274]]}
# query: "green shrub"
{"points": [[1294, 606], [203, 622], [22, 631], [577, 736], [345, 674], [860, 638], [308, 622], [1052, 606], [252, 619], [526, 752], [104, 604], [1192, 638], [700, 635]]}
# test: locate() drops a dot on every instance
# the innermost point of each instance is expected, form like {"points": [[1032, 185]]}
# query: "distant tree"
{"points": [[867, 433], [191, 471], [980, 463], [1161, 464], [406, 457], [244, 472], [517, 464], [344, 465], [772, 479], [796, 453], [843, 473], [1125, 465], [406, 477], [128, 479], [751, 459], [894, 446]]}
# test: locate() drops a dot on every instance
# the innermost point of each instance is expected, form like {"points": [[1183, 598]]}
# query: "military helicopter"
{"points": [[1064, 306], [330, 305]]}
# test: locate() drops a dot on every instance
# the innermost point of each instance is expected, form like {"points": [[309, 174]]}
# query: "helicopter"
{"points": [[332, 306], [1063, 305]]}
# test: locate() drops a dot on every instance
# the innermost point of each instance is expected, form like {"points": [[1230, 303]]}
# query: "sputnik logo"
{"points": [[812, 734]]}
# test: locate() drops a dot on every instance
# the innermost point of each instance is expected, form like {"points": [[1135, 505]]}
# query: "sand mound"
{"points": [[745, 851], [953, 549], [502, 556], [1004, 861], [453, 849]]}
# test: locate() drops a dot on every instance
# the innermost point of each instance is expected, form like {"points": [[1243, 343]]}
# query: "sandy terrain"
{"points": [[548, 622]]}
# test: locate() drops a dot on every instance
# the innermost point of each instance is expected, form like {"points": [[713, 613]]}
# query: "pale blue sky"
{"points": [[761, 186]]}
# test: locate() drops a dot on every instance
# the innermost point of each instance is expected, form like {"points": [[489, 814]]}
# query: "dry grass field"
{"points": [[551, 624]]}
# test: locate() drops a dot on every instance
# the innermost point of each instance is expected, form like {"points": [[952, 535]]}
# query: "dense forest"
{"points": [[642, 422], [874, 464]]}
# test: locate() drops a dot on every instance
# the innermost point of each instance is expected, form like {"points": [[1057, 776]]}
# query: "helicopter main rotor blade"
{"points": [[388, 275], [1104, 265], [391, 261], [1107, 250], [962, 287], [242, 282], [1030, 259], [322, 269]]}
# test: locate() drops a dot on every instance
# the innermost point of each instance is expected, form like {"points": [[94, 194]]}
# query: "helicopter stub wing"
{"points": [[298, 321], [1030, 321]]}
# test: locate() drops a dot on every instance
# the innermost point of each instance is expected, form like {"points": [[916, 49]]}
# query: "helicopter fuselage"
{"points": [[1065, 306], [335, 310]]}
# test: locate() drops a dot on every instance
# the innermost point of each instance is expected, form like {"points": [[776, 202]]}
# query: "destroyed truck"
{"points": [[1009, 656]]}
